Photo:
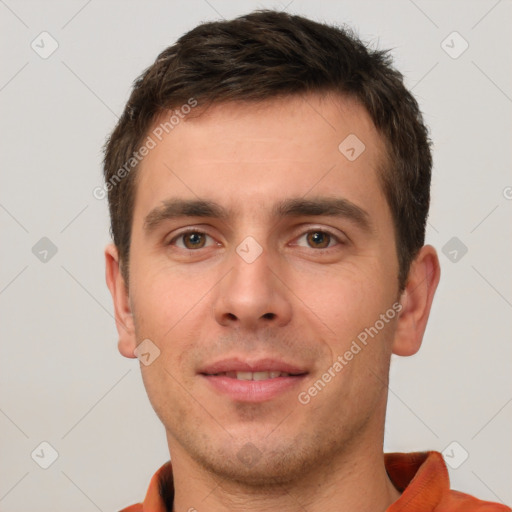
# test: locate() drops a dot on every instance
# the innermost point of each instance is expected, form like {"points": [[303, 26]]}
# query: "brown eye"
{"points": [[193, 240], [318, 239]]}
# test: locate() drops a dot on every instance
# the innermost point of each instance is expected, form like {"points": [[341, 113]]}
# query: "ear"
{"points": [[124, 318], [416, 301]]}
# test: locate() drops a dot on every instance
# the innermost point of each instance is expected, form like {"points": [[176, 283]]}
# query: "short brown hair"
{"points": [[267, 54]]}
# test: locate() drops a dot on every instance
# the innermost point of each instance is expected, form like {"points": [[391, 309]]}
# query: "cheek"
{"points": [[164, 297], [346, 299], [352, 306]]}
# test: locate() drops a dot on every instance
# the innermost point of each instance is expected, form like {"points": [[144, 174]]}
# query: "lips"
{"points": [[252, 381], [244, 366], [253, 375]]}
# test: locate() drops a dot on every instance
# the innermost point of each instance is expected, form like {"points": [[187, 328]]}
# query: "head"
{"points": [[268, 185], [263, 56]]}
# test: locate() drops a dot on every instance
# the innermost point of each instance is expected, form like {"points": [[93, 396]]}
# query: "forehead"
{"points": [[246, 153]]}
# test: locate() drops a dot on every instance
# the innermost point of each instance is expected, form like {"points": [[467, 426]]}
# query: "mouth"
{"points": [[257, 381], [264, 375]]}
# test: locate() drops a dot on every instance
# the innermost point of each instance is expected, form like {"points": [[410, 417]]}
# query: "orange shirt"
{"points": [[422, 478]]}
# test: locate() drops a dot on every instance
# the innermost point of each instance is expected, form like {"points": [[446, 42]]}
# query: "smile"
{"points": [[253, 375]]}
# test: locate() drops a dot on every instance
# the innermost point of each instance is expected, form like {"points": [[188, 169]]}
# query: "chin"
{"points": [[260, 462]]}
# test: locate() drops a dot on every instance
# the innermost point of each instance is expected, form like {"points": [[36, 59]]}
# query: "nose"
{"points": [[252, 295]]}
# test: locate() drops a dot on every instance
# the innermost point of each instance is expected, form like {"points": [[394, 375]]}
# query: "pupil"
{"points": [[319, 239], [194, 239]]}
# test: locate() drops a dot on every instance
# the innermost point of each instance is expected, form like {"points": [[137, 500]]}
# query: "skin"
{"points": [[297, 302]]}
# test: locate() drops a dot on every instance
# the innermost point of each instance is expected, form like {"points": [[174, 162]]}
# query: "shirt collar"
{"points": [[421, 477]]}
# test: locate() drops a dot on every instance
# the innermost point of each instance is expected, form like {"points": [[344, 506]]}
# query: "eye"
{"points": [[318, 239], [192, 240]]}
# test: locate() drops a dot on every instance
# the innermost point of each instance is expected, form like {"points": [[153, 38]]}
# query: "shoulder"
{"points": [[138, 507], [423, 480], [455, 501]]}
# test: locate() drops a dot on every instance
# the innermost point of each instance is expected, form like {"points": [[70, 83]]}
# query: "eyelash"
{"points": [[187, 232], [333, 237]]}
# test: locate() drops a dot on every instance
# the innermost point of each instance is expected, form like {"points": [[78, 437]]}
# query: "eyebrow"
{"points": [[324, 206], [176, 208], [292, 207]]}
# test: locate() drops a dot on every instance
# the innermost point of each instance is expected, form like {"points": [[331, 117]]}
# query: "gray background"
{"points": [[62, 380]]}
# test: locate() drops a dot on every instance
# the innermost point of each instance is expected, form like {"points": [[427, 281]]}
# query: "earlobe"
{"points": [[416, 301], [122, 308]]}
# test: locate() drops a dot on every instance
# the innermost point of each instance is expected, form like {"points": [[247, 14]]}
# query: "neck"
{"points": [[354, 481]]}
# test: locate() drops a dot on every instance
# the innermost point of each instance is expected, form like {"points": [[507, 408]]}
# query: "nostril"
{"points": [[269, 316]]}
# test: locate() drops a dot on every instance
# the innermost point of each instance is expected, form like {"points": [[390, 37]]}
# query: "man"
{"points": [[269, 186]]}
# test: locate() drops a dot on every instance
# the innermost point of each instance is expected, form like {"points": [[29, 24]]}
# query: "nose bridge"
{"points": [[251, 295]]}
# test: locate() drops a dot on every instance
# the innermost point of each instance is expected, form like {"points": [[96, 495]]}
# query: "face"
{"points": [[262, 251]]}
